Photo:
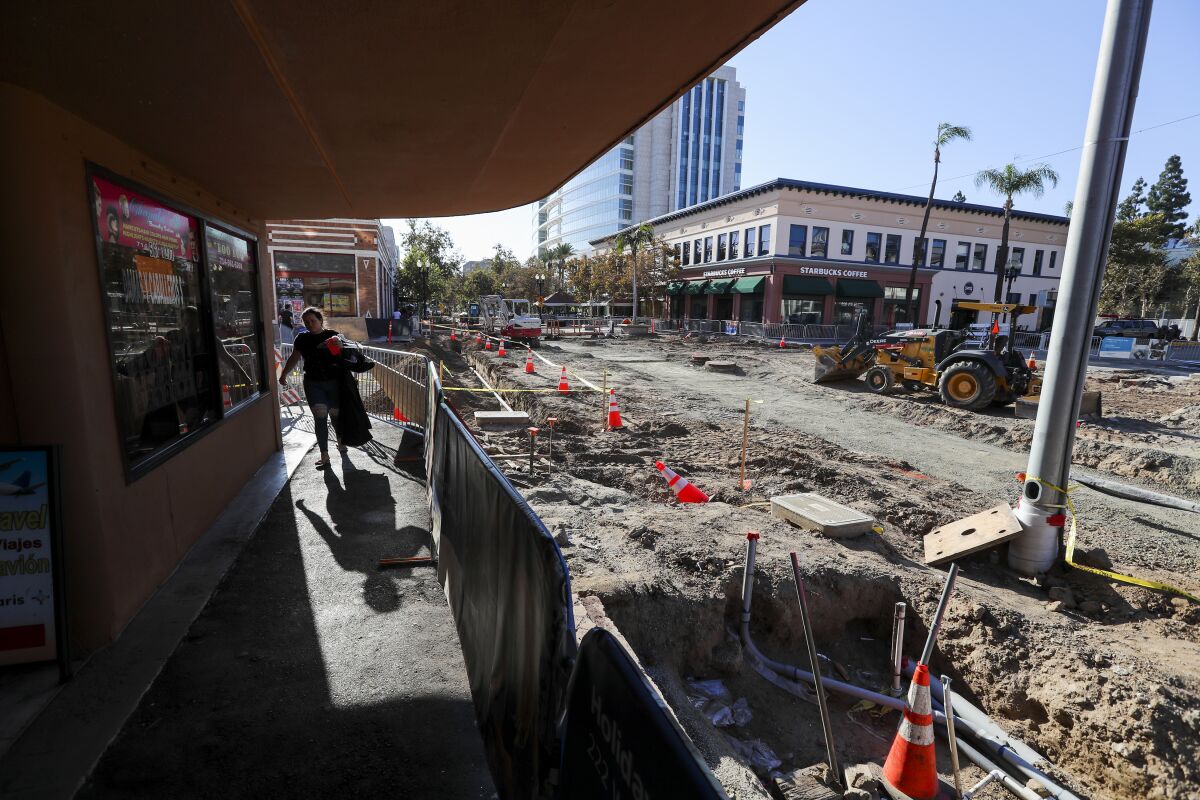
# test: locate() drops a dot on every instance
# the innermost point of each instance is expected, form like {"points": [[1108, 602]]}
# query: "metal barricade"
{"points": [[394, 390], [1183, 351]]}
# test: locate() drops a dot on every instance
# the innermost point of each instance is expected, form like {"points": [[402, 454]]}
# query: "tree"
{"points": [[634, 240], [1131, 207], [1009, 181], [428, 264], [959, 197], [1136, 277], [946, 133], [1169, 197], [1068, 208], [559, 255], [1189, 275]]}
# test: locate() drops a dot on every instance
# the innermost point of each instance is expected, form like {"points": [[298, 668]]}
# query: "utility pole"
{"points": [[1114, 91]]}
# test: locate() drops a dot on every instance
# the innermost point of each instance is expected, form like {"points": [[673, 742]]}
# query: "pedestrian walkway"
{"points": [[311, 673]]}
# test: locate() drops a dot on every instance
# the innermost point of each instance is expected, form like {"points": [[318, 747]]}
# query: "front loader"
{"points": [[936, 360]]}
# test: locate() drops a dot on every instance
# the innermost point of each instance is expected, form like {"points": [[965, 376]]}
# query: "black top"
{"points": [[319, 363]]}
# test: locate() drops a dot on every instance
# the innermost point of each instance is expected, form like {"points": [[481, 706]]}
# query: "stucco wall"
{"points": [[121, 540]]}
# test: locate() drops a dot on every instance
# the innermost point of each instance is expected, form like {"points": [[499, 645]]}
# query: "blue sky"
{"points": [[851, 92]]}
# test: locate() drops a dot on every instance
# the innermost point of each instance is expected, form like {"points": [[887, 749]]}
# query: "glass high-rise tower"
{"points": [[687, 154]]}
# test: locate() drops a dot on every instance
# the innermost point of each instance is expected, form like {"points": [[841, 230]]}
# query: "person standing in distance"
{"points": [[321, 376]]}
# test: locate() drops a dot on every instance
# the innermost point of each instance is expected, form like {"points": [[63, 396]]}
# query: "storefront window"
{"points": [[803, 310], [172, 377], [846, 312], [895, 309], [324, 280], [750, 308], [233, 281]]}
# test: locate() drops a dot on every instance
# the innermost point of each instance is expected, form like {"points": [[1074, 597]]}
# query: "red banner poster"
{"points": [[127, 218]]}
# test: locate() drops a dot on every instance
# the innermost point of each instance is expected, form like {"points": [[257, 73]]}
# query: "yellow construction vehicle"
{"points": [[965, 375]]}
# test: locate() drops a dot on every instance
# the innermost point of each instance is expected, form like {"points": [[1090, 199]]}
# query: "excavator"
{"points": [[941, 360]]}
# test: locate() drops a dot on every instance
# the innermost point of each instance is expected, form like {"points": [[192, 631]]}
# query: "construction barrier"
{"points": [[620, 738], [510, 594], [399, 376]]}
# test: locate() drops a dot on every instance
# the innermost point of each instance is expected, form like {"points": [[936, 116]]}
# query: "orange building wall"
{"points": [[121, 540]]}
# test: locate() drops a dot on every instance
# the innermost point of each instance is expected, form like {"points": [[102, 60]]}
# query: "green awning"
{"points": [[805, 284], [850, 287], [695, 287], [749, 285], [719, 287], [675, 287]]}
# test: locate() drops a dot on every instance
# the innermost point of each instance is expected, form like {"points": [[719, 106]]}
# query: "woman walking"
{"points": [[322, 376]]}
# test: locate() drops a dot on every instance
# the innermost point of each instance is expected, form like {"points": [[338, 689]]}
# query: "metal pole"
{"points": [[532, 448], [897, 647], [834, 771], [941, 611], [950, 735], [1118, 72]]}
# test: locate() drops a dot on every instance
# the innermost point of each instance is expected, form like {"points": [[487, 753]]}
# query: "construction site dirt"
{"points": [[1097, 675]]}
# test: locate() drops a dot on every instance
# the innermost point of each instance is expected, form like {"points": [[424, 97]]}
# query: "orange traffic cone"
{"points": [[529, 370], [487, 345], [614, 413], [782, 343], [478, 338], [501, 351], [398, 415], [226, 398], [911, 765], [684, 491], [563, 386], [453, 335], [995, 326], [1032, 362]]}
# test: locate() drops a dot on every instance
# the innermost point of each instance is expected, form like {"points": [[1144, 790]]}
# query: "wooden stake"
{"points": [[604, 402], [745, 445], [442, 372]]}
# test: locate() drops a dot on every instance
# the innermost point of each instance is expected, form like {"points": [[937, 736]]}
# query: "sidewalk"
{"points": [[309, 673]]}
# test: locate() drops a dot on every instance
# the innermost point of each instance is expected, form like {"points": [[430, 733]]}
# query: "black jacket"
{"points": [[353, 425]]}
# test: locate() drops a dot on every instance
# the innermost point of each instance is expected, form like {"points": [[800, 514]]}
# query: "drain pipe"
{"points": [[897, 648], [793, 680]]}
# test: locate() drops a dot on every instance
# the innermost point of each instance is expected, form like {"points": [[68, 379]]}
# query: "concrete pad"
{"points": [[721, 366], [816, 513], [1090, 406], [700, 358], [500, 419]]}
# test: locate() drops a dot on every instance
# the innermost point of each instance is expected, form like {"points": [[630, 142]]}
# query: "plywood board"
{"points": [[971, 534], [817, 513]]}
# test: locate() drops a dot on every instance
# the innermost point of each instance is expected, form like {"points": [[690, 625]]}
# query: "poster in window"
{"points": [[127, 218], [30, 589]]}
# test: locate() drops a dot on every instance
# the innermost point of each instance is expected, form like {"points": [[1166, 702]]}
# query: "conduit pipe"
{"points": [[792, 679], [1135, 493]]}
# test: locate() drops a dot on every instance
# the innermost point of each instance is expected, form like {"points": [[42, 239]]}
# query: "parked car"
{"points": [[1132, 328]]}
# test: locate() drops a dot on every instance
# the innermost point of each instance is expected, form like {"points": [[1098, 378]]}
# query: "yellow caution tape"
{"points": [[489, 391], [1070, 558]]}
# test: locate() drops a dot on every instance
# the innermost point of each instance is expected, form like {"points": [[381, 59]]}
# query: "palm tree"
{"points": [[560, 253], [633, 239], [946, 133], [1010, 181]]}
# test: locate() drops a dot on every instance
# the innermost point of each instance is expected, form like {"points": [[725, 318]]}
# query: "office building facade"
{"points": [[687, 154]]}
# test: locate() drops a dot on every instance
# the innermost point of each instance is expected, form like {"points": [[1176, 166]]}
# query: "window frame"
{"points": [[685, 256], [937, 253], [708, 249], [966, 264], [803, 246], [135, 472], [1039, 257], [847, 242], [878, 259], [982, 257], [812, 248], [750, 243], [887, 242], [764, 242], [722, 246]]}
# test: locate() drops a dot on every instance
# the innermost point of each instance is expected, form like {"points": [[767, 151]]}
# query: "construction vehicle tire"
{"points": [[879, 379], [912, 386], [967, 384]]}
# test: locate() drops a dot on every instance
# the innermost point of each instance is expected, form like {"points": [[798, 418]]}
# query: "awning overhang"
{"points": [[676, 287], [750, 285], [695, 287], [806, 285], [859, 289], [721, 286], [296, 109]]}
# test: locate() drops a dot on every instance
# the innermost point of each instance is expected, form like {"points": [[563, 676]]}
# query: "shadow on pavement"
{"points": [[287, 686]]}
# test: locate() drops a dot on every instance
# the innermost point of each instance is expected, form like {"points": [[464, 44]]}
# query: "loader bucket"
{"points": [[829, 366]]}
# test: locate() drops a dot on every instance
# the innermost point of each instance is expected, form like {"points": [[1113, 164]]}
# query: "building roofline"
{"points": [[834, 189]]}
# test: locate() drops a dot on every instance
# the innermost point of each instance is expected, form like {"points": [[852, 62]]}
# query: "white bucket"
{"points": [[1036, 549]]}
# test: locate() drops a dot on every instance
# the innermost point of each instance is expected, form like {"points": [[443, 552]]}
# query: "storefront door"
{"points": [[723, 307]]}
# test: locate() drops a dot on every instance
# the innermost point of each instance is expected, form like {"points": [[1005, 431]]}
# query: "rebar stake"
{"points": [[834, 770], [950, 735], [533, 432], [937, 617]]}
